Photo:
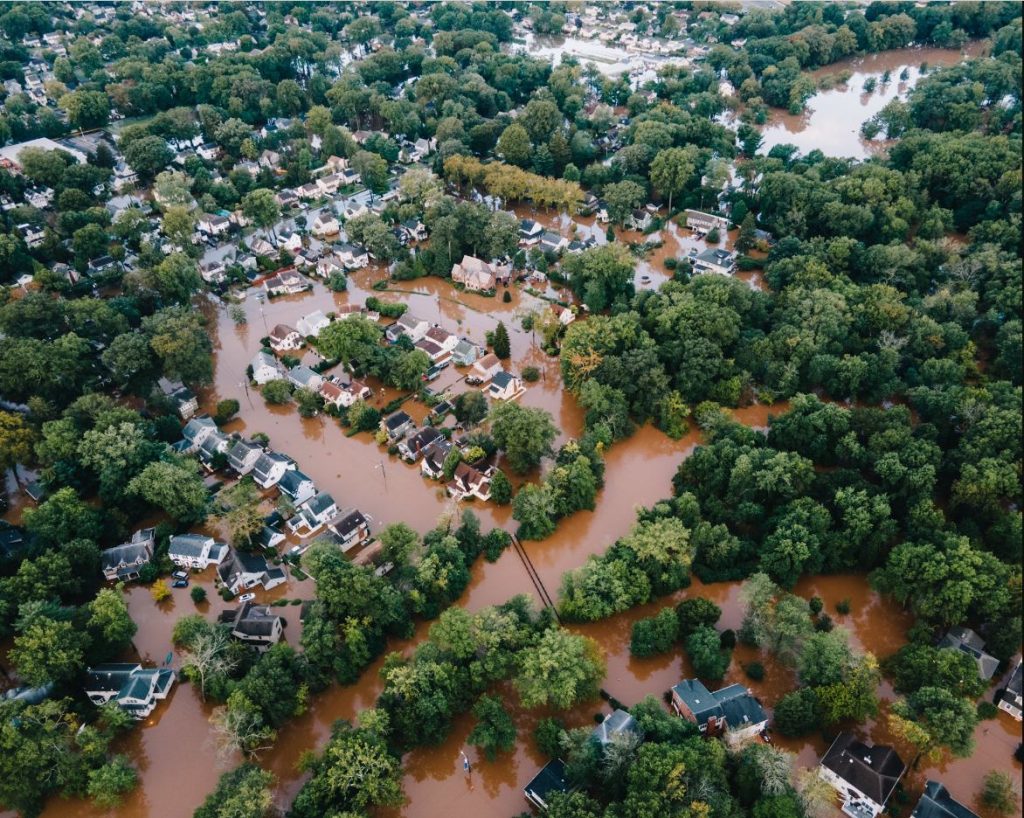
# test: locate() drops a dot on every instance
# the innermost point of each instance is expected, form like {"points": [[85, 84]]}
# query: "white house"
{"points": [[313, 515], [213, 225], [284, 339], [133, 688], [287, 240], [325, 224], [287, 282], [241, 571], [484, 369], [530, 231], [715, 260], [329, 184], [352, 256], [296, 486], [266, 368], [705, 222], [350, 528], [474, 274], [470, 482], [504, 386], [242, 456], [32, 235], [268, 470], [196, 551], [254, 625], [196, 431], [408, 325], [123, 562], [1010, 700], [305, 378], [312, 324], [864, 776]]}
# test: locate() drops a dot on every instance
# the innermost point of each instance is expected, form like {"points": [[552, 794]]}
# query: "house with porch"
{"points": [[296, 486], [469, 481], [254, 625], [530, 232], [241, 571], [266, 368], [397, 426], [196, 551], [284, 338], [287, 282], [212, 224], [1010, 698], [352, 256], [182, 398], [124, 562], [731, 710], [269, 468], [313, 515], [465, 353], [715, 260], [411, 449], [864, 776], [553, 242], [129, 685], [349, 529], [408, 325], [325, 224], [196, 431]]}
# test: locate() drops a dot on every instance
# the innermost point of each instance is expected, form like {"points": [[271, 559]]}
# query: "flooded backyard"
{"points": [[832, 119]]}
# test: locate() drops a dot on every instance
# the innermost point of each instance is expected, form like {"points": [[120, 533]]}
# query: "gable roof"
{"points": [[344, 524], [967, 641], [936, 802], [618, 723], [292, 480], [873, 771]]}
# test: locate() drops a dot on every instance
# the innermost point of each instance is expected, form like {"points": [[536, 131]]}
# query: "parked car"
{"points": [[180, 583], [246, 597], [179, 575]]}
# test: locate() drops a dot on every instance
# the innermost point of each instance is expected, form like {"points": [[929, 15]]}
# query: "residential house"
{"points": [[254, 625], [936, 802], [344, 395], [269, 468], [413, 230], [550, 780], [123, 562], [196, 551], [213, 271], [252, 168], [270, 159], [417, 151], [470, 482], [705, 222], [1010, 699], [287, 282], [241, 571], [305, 378], [352, 256], [335, 164], [329, 184], [309, 191], [103, 264], [408, 325], [328, 265], [715, 260], [242, 456], [484, 369], [564, 315], [350, 528], [732, 710], [444, 339], [266, 368], [312, 324], [863, 776], [465, 353], [411, 449], [196, 431], [530, 231], [296, 486], [397, 425], [313, 515], [967, 641], [504, 386], [433, 351], [286, 199], [325, 224], [261, 247], [212, 224], [32, 235], [284, 339], [270, 537], [208, 151], [133, 688], [433, 457], [216, 443], [290, 241], [474, 274], [351, 177], [619, 723], [639, 220], [553, 242], [181, 397]]}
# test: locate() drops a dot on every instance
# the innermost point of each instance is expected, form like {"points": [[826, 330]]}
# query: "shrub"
{"points": [[160, 592], [531, 374], [654, 635], [997, 793], [277, 392], [501, 489], [843, 606], [714, 236], [706, 655], [670, 263], [824, 623], [987, 710], [338, 281], [226, 409], [548, 736], [754, 670], [198, 594], [816, 604], [798, 713], [384, 308], [695, 613], [507, 297], [495, 542]]}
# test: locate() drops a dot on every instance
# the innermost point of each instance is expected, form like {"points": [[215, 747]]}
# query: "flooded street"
{"points": [[832, 119]]}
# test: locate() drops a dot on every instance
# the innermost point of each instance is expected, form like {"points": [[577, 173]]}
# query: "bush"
{"points": [[696, 613], [531, 374], [338, 281], [654, 635], [548, 735], [198, 594], [843, 606], [816, 604], [714, 236], [987, 710], [706, 655], [501, 489], [277, 393], [507, 297], [671, 262], [824, 623], [997, 793], [226, 409], [754, 670], [160, 592], [384, 308], [728, 639], [495, 542], [798, 713]]}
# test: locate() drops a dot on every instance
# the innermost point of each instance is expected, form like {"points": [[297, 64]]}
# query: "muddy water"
{"points": [[832, 120]]}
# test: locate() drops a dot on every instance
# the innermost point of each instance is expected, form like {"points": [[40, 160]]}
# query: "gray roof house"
{"points": [[296, 486], [266, 368], [255, 625], [432, 464], [411, 449], [242, 456], [241, 571], [215, 443], [863, 776], [196, 551], [313, 515], [936, 802], [618, 723], [549, 780], [197, 430], [397, 425], [465, 353], [133, 688], [350, 528], [305, 378], [966, 640], [714, 260], [1010, 700], [123, 562], [732, 709], [269, 468]]}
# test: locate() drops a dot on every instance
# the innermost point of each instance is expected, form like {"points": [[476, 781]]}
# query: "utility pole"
{"points": [[245, 385], [384, 474]]}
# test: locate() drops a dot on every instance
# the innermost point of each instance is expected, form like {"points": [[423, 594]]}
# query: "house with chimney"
{"points": [[266, 368], [474, 274], [124, 562], [254, 625], [242, 456], [196, 551], [241, 571], [285, 339], [731, 711], [350, 529], [468, 482], [269, 468], [865, 776], [129, 685]]}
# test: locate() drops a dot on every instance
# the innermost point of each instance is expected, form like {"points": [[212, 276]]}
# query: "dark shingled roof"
{"points": [[938, 803], [873, 771], [550, 779]]}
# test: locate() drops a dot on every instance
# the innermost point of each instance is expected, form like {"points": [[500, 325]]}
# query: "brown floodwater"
{"points": [[832, 119]]}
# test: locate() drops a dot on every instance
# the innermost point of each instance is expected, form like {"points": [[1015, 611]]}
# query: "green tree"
{"points": [[704, 648], [110, 624], [241, 504], [175, 487], [16, 441], [998, 794], [514, 146], [180, 341], [261, 208], [562, 669], [932, 717], [697, 612], [86, 109], [277, 392], [501, 489], [470, 407], [244, 792], [654, 635], [797, 713], [494, 732], [110, 783], [372, 169], [622, 199], [148, 156], [48, 650], [501, 343], [672, 170], [600, 275], [176, 278], [524, 434], [63, 517]]}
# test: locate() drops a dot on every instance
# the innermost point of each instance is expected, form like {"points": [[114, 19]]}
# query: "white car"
{"points": [[246, 597]]}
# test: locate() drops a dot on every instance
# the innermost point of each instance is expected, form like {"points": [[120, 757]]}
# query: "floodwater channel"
{"points": [[832, 119]]}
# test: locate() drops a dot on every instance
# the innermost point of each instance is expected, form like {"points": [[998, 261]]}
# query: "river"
{"points": [[832, 119]]}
